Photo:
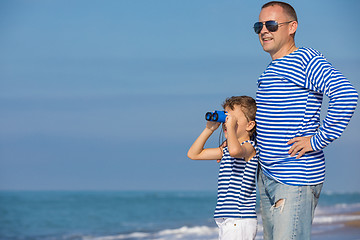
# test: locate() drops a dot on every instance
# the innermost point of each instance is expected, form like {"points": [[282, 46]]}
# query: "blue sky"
{"points": [[109, 95]]}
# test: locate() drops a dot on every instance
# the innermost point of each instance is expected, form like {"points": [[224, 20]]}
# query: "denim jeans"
{"points": [[290, 218]]}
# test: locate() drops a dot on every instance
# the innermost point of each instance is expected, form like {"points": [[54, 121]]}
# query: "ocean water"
{"points": [[106, 215]]}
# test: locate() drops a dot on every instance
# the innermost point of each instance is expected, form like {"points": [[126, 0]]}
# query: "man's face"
{"points": [[275, 43]]}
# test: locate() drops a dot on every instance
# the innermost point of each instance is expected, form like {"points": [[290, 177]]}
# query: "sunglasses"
{"points": [[272, 26]]}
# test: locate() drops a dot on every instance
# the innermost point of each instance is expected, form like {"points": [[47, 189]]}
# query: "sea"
{"points": [[139, 215]]}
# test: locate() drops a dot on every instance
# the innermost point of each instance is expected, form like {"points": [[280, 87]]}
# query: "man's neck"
{"points": [[284, 51]]}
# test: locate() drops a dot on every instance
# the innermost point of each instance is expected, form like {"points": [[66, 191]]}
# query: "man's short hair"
{"points": [[289, 10]]}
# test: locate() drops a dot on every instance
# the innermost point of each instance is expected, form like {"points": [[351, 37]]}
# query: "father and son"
{"points": [[278, 139]]}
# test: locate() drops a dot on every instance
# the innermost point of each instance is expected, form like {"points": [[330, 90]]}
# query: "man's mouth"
{"points": [[266, 39]]}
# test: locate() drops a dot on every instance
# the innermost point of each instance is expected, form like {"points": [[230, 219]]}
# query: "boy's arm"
{"points": [[235, 148], [197, 151]]}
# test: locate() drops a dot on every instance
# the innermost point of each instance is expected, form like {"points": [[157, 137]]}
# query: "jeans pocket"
{"points": [[316, 190]]}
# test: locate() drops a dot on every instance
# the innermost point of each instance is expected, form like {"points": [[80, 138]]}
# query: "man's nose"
{"points": [[264, 28]]}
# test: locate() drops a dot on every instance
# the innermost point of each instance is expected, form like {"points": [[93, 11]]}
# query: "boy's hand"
{"points": [[230, 122], [212, 125], [224, 144]]}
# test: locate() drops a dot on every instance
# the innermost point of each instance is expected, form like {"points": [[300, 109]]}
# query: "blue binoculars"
{"points": [[216, 116]]}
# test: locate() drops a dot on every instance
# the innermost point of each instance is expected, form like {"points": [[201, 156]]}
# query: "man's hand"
{"points": [[300, 145]]}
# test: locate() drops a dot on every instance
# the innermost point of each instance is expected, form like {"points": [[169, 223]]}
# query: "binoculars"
{"points": [[216, 116]]}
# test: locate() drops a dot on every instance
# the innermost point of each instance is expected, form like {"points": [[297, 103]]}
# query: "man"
{"points": [[289, 135]]}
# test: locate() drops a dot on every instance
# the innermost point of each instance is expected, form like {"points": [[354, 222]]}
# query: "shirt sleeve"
{"points": [[323, 77]]}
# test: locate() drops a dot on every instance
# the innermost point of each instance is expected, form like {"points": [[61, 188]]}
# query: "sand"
{"points": [[354, 223]]}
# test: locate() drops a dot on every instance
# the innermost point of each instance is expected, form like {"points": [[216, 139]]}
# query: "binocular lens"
{"points": [[215, 116], [208, 116]]}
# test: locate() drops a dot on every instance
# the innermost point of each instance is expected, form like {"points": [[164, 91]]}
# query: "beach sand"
{"points": [[346, 233], [347, 230], [353, 223]]}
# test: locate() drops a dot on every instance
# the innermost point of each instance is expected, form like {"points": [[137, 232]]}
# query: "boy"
{"points": [[235, 210]]}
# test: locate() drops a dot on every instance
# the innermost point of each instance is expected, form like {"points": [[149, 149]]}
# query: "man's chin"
{"points": [[266, 48]]}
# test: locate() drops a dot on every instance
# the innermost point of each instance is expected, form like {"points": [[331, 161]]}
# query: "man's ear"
{"points": [[293, 27], [250, 126]]}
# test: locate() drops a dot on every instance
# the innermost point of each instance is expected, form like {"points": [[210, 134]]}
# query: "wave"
{"points": [[335, 219], [184, 233], [142, 216], [327, 218], [337, 209]]}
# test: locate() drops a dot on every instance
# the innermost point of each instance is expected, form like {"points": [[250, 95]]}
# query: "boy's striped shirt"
{"points": [[236, 186]]}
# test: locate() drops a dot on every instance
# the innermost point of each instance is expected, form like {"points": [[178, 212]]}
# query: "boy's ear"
{"points": [[250, 126]]}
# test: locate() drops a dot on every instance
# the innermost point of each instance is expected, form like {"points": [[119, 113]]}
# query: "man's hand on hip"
{"points": [[301, 145]]}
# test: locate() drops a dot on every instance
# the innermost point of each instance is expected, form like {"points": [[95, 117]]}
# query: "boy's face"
{"points": [[236, 118]]}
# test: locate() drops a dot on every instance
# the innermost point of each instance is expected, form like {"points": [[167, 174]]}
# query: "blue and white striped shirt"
{"points": [[236, 186], [289, 98]]}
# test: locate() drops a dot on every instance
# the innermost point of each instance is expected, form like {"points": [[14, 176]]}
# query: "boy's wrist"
{"points": [[209, 129]]}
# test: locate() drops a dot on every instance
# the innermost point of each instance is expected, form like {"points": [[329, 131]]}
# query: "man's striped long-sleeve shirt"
{"points": [[289, 98]]}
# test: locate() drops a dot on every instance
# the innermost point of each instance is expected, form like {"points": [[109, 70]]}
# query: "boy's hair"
{"points": [[289, 10], [248, 106]]}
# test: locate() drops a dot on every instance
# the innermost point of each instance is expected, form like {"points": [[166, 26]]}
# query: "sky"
{"points": [[109, 95]]}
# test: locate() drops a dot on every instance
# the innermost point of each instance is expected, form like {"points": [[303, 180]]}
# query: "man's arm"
{"points": [[322, 77]]}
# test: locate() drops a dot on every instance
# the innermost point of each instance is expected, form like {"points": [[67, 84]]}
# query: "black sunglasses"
{"points": [[272, 26]]}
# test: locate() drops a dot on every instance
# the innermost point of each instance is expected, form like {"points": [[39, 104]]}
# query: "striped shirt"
{"points": [[289, 98], [236, 186]]}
